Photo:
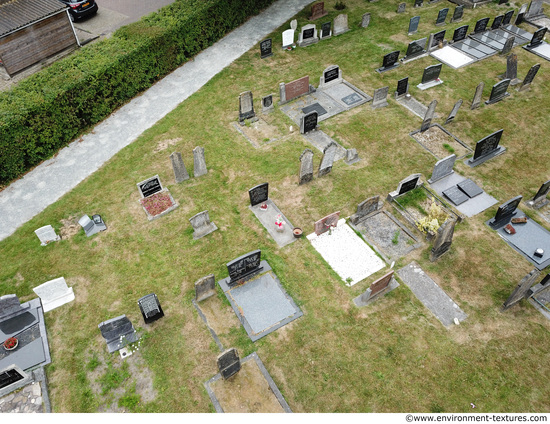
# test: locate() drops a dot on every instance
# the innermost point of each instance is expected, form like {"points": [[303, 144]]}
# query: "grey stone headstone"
{"points": [[499, 92], [413, 24], [431, 73], [429, 116], [380, 97], [54, 293], [512, 66], [415, 48], [507, 17], [267, 103], [246, 106], [205, 287], [521, 14], [460, 33], [308, 122], [401, 7], [535, 9], [229, 363], [180, 172], [443, 239], [365, 208], [46, 235], [476, 102], [453, 113], [328, 159], [306, 167], [457, 14], [365, 20], [150, 308], [340, 24], [351, 156], [202, 225], [402, 87], [529, 77], [308, 35], [199, 163], [288, 38], [442, 16], [293, 24], [481, 25], [508, 45], [522, 289], [443, 168], [10, 307]]}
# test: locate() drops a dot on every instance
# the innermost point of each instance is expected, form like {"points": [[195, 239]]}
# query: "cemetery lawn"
{"points": [[392, 356]]}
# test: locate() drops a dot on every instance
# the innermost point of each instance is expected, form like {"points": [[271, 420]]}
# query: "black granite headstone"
{"points": [[390, 60], [229, 363], [325, 29], [418, 3], [506, 211], [308, 33], [441, 16], [331, 74], [267, 101], [543, 190], [416, 48], [150, 308], [408, 185], [150, 187], [537, 38], [413, 24], [497, 22], [481, 25], [507, 17], [499, 91], [258, 194], [402, 87], [309, 122], [460, 33], [439, 37], [455, 195], [470, 188], [530, 76], [117, 332], [431, 73], [265, 48], [244, 267], [488, 145], [457, 14], [8, 377]]}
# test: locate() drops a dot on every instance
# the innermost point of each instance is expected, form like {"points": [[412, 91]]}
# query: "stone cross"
{"points": [[199, 163], [306, 167], [180, 172]]}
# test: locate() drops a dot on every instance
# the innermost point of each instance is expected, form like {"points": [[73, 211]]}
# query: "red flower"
{"points": [[10, 343], [157, 203]]}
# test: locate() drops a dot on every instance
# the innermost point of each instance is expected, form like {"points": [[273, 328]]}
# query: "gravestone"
{"points": [[294, 24], [11, 307], [365, 20], [499, 92], [244, 267], [481, 25], [431, 73], [379, 98], [150, 308], [118, 332], [246, 107], [508, 46], [460, 33], [199, 163], [455, 195], [497, 22], [469, 188], [351, 156], [443, 168], [328, 159], [540, 199], [308, 122], [535, 9], [318, 11], [205, 287], [522, 290], [415, 48], [331, 74], [92, 226], [326, 30], [308, 35], [202, 225], [477, 96], [258, 194], [429, 116], [54, 293], [46, 235], [487, 148], [413, 24], [442, 16], [149, 186], [288, 38], [401, 7], [180, 172], [267, 103], [402, 88], [293, 89], [326, 223], [457, 14], [366, 207], [512, 69], [389, 62], [380, 286], [306, 167], [521, 14], [443, 239], [340, 24], [507, 18], [229, 363], [266, 48], [453, 113], [505, 212], [418, 3], [437, 39], [537, 38], [529, 77], [405, 185]]}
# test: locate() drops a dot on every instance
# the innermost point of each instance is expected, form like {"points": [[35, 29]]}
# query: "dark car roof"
{"points": [[15, 14]]}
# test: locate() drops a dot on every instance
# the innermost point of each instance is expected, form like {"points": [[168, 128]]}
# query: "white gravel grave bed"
{"points": [[346, 253]]}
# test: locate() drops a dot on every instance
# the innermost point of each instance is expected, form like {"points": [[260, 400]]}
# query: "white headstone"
{"points": [[288, 38], [46, 234], [54, 293]]}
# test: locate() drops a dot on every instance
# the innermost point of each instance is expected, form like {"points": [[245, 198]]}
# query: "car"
{"points": [[79, 9]]}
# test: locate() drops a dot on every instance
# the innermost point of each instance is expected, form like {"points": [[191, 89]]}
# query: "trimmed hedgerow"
{"points": [[47, 110]]}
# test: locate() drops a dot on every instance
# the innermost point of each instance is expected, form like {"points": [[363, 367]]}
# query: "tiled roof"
{"points": [[15, 14]]}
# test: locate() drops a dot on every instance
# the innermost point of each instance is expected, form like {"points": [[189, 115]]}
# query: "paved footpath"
{"points": [[48, 182]]}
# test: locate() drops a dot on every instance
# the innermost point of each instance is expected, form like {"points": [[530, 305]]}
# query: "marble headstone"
{"points": [[476, 102], [205, 287], [180, 172], [306, 167], [54, 293], [202, 225], [443, 168], [340, 24], [328, 159], [46, 235], [199, 163]]}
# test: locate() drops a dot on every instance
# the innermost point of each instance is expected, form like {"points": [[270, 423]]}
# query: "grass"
{"points": [[393, 356]]}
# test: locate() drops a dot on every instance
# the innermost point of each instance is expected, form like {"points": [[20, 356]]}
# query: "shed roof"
{"points": [[15, 14]]}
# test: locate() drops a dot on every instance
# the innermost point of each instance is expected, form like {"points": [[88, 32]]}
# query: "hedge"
{"points": [[47, 110]]}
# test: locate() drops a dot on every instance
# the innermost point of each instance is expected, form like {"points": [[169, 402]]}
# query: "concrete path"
{"points": [[30, 195]]}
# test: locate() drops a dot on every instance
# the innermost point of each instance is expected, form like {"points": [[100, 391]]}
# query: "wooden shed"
{"points": [[32, 30]]}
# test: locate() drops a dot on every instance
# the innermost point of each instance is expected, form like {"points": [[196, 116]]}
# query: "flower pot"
{"points": [[13, 346], [297, 232]]}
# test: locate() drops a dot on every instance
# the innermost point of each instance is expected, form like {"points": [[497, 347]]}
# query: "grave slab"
{"points": [[346, 253], [542, 50], [264, 303], [413, 105], [268, 216], [452, 57], [455, 195], [472, 206], [431, 295]]}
